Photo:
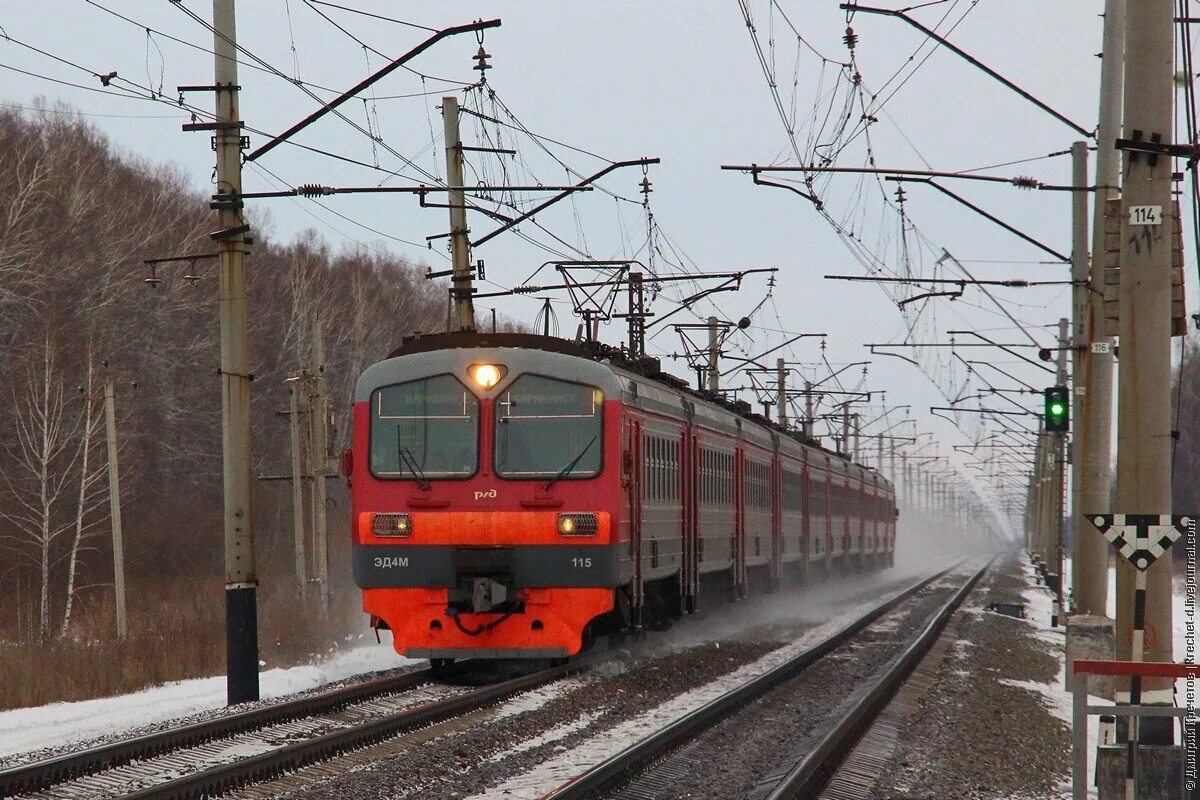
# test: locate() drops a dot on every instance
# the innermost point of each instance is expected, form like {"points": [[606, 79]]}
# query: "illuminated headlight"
{"points": [[578, 524], [391, 525], [486, 376]]}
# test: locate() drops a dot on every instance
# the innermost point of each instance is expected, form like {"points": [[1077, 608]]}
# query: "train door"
{"points": [[829, 516], [634, 446], [776, 569], [860, 504], [739, 522], [806, 510], [689, 494], [875, 503]]}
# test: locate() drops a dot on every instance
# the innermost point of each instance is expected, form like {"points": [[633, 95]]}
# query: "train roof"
{"points": [[611, 364]]}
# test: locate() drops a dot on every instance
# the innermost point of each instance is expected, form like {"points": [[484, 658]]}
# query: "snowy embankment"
{"points": [[23, 730]]}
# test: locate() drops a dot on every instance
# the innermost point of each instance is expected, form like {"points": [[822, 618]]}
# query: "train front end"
{"points": [[485, 497]]}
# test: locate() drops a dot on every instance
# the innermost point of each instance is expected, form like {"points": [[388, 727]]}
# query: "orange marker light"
{"points": [[486, 375]]}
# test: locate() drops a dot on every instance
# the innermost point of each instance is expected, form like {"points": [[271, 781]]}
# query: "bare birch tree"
{"points": [[43, 460]]}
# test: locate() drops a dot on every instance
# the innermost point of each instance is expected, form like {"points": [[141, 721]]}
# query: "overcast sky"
{"points": [[676, 80]]}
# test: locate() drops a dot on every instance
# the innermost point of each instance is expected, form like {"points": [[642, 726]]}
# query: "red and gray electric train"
{"points": [[515, 495]]}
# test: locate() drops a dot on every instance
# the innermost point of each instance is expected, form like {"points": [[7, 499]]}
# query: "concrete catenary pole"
{"points": [[1093, 425], [845, 448], [241, 575], [318, 418], [1058, 466], [781, 399], [462, 316], [714, 356], [1144, 377], [1084, 540], [295, 386], [1035, 500], [808, 409], [114, 506]]}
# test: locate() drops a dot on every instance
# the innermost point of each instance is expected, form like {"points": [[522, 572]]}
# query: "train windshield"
{"points": [[424, 429], [547, 428]]}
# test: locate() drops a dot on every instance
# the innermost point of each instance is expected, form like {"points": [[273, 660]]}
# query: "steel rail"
{"points": [[48, 772], [220, 779], [811, 774], [696, 722]]}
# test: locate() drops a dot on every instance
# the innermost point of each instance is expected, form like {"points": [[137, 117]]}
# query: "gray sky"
{"points": [[677, 80]]}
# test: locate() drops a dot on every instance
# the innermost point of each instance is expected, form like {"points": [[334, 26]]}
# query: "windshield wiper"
{"points": [[570, 466], [407, 459]]}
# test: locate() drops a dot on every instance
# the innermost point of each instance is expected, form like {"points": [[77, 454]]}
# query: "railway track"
{"points": [[645, 770], [204, 759]]}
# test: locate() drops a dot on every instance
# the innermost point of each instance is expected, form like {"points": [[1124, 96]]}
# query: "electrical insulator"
{"points": [[851, 38], [313, 190], [481, 63]]}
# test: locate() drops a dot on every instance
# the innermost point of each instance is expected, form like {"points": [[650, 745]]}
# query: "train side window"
{"points": [[660, 465], [646, 468], [650, 471]]}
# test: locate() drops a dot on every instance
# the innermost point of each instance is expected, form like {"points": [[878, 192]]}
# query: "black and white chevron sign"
{"points": [[1141, 539]]}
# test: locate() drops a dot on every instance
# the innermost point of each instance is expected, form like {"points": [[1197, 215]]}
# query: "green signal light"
{"points": [[1057, 409]]}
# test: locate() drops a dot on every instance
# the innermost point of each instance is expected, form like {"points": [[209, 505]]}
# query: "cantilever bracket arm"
{"points": [[970, 59], [875, 352], [637, 162], [988, 216], [985, 411], [1003, 347], [812, 198], [732, 284], [479, 25], [926, 295]]}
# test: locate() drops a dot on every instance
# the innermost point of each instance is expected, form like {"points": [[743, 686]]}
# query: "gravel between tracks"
{"points": [[732, 757], [977, 736], [487, 752]]}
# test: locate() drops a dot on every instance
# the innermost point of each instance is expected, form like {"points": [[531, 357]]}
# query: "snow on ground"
{"points": [[25, 729], [1058, 699]]}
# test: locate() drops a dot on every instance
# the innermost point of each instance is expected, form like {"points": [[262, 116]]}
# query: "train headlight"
{"points": [[486, 375], [578, 524], [391, 525]]}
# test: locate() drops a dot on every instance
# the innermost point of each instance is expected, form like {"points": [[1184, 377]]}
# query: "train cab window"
{"points": [[546, 428], [423, 429]]}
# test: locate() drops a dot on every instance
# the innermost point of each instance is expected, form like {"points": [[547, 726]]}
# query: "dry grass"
{"points": [[180, 634]]}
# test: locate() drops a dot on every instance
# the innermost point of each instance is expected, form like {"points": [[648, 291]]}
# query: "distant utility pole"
{"points": [[1144, 380], [295, 387], [114, 505], [463, 316], [808, 409], [637, 315], [318, 418], [781, 398], [1092, 445], [241, 577], [714, 355]]}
